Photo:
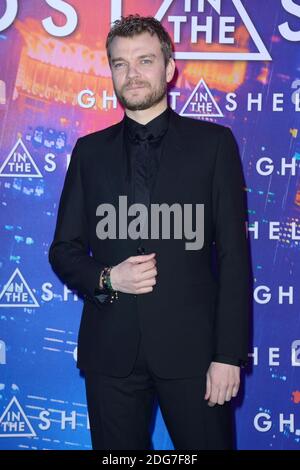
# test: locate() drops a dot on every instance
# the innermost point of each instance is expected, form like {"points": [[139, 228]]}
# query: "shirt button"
{"points": [[140, 250]]}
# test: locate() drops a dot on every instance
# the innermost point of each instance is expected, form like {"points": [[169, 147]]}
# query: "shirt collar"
{"points": [[157, 126]]}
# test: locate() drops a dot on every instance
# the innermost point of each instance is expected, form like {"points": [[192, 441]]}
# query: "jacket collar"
{"points": [[153, 130]]}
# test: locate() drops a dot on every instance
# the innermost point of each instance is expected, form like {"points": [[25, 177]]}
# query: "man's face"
{"points": [[139, 73]]}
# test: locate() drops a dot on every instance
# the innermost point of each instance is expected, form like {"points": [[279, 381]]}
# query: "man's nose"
{"points": [[132, 71]]}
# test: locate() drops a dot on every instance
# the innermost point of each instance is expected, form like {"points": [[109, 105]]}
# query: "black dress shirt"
{"points": [[143, 146]]}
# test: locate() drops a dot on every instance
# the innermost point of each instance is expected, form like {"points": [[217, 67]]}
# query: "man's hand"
{"points": [[135, 275], [222, 383]]}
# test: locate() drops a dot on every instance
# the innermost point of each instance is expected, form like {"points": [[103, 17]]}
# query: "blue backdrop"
{"points": [[239, 65]]}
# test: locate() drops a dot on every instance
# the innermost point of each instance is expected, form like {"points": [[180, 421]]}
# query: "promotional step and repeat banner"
{"points": [[238, 65]]}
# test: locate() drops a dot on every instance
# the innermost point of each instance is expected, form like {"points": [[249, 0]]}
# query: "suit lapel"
{"points": [[115, 163]]}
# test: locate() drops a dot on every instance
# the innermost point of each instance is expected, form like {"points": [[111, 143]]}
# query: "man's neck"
{"points": [[146, 115]]}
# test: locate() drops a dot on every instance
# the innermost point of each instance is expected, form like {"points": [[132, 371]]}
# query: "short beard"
{"points": [[147, 102]]}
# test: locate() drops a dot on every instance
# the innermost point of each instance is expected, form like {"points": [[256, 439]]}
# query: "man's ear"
{"points": [[170, 69]]}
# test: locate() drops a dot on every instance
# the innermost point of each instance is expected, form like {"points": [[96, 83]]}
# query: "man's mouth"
{"points": [[135, 87]]}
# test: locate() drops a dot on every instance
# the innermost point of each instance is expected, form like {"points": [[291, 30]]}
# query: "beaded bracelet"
{"points": [[106, 282]]}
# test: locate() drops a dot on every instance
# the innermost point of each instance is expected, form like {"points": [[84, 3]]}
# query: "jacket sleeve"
{"points": [[229, 360], [233, 257], [69, 253]]}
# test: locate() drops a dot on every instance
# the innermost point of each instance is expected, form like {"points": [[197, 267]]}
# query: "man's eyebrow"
{"points": [[146, 55], [116, 59]]}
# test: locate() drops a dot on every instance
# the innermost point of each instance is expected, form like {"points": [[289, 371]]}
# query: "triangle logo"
{"points": [[19, 163], [14, 422], [201, 103], [17, 293], [178, 21]]}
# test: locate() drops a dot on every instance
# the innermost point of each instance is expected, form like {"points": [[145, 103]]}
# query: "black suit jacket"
{"points": [[193, 313]]}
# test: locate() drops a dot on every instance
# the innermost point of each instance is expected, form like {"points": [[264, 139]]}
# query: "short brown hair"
{"points": [[132, 25]]}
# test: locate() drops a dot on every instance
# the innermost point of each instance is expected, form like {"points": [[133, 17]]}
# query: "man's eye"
{"points": [[118, 65], [147, 61]]}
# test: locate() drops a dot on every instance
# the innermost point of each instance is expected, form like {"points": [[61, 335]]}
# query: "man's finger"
{"points": [[229, 393], [222, 396], [144, 267], [235, 390], [213, 399], [141, 258], [144, 290], [146, 283], [208, 387], [145, 275]]}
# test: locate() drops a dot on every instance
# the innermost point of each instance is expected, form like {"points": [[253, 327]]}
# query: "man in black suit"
{"points": [[157, 321]]}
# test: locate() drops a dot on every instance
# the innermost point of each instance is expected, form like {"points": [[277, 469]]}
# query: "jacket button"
{"points": [[140, 250]]}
